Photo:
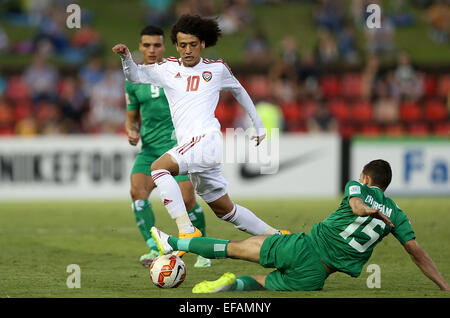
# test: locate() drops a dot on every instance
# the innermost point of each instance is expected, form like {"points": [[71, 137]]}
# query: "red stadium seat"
{"points": [[442, 129], [394, 130], [361, 111], [444, 85], [22, 110], [339, 109], [226, 113], [370, 130], [292, 113], [258, 86], [410, 111], [309, 108], [351, 85], [418, 129], [435, 110], [329, 84], [16, 89], [429, 85], [347, 130]]}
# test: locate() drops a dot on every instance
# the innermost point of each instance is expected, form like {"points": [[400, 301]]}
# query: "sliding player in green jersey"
{"points": [[149, 119], [341, 243]]}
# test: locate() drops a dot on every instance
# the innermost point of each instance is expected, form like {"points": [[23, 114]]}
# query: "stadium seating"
{"points": [[351, 86], [435, 110], [410, 111], [362, 111], [338, 107], [330, 86]]}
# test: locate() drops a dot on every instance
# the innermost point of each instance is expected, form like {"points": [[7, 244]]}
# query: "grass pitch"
{"points": [[38, 240]]}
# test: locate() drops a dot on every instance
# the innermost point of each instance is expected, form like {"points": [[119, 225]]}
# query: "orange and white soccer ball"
{"points": [[167, 271]]}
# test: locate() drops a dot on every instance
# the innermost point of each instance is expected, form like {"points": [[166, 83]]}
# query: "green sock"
{"points": [[197, 218], [246, 283], [145, 219], [207, 247]]}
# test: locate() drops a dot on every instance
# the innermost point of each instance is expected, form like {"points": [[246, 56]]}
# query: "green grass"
{"points": [[39, 240]]}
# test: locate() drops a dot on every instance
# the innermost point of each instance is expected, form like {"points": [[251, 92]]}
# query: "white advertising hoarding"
{"points": [[419, 167], [98, 167]]}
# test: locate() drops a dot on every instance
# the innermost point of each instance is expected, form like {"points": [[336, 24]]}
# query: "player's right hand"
{"points": [[376, 214], [121, 49], [133, 137]]}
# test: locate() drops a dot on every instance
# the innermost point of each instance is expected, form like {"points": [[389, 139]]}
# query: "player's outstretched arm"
{"points": [[241, 95], [142, 74], [361, 209], [421, 258]]}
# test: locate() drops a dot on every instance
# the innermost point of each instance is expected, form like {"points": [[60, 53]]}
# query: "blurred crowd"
{"points": [[296, 91]]}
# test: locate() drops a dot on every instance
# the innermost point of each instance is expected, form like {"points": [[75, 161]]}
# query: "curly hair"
{"points": [[205, 29]]}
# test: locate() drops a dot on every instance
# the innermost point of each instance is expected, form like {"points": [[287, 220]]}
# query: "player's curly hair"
{"points": [[205, 29]]}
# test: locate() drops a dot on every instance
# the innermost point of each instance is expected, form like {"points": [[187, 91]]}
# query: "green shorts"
{"points": [[298, 266], [145, 159]]}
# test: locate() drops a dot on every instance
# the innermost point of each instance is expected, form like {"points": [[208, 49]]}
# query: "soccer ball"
{"points": [[167, 271]]}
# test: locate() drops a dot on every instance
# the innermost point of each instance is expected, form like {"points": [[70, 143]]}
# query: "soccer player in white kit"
{"points": [[192, 86]]}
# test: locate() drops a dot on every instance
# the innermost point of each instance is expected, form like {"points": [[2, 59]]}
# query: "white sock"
{"points": [[173, 199], [245, 220]]}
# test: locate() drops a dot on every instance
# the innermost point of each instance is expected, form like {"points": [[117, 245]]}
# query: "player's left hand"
{"points": [[258, 139]]}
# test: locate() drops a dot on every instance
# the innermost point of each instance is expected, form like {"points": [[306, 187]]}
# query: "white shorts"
{"points": [[201, 158]]}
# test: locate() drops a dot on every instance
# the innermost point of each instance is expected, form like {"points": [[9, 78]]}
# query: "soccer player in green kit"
{"points": [[341, 243], [149, 119]]}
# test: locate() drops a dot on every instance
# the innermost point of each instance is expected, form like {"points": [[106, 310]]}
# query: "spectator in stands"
{"points": [[53, 29], [91, 74], [328, 15], [322, 120], [347, 44], [41, 79], [200, 7], [400, 13], [385, 106], [158, 12], [370, 76], [234, 16], [3, 84], [308, 75], [380, 41], [282, 74], [257, 49], [106, 103], [408, 82], [6, 118], [327, 50], [438, 16], [4, 41], [73, 103], [26, 127], [87, 41]]}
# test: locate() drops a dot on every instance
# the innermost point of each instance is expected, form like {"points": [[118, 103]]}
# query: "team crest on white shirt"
{"points": [[207, 76]]}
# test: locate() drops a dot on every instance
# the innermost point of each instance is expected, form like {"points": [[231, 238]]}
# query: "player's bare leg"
{"points": [[241, 217], [196, 216], [163, 169], [247, 250]]}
